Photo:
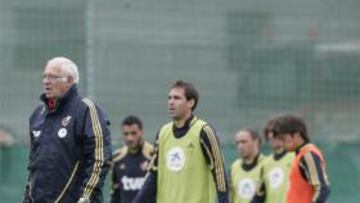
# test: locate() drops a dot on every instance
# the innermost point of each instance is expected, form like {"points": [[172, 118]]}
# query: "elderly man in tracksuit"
{"points": [[70, 141]]}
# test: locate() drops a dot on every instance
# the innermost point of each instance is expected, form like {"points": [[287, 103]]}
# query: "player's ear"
{"points": [[70, 80], [191, 103]]}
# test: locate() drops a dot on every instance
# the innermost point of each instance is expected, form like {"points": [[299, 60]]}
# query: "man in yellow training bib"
{"points": [[188, 163], [275, 171], [245, 172]]}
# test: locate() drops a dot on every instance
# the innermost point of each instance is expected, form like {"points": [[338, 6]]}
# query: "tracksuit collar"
{"points": [[59, 102]]}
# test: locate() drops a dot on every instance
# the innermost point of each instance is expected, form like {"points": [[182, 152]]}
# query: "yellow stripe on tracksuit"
{"points": [[212, 165], [313, 174], [219, 170], [152, 166], [99, 150], [68, 183]]}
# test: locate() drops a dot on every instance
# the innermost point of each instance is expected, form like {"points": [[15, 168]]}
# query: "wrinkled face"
{"points": [[132, 135], [178, 105], [55, 82], [246, 145], [275, 142], [289, 141]]}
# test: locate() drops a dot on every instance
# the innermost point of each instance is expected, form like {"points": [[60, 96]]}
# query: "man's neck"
{"points": [[300, 143], [181, 121], [278, 153], [278, 150], [249, 163], [250, 159], [52, 103], [136, 149]]}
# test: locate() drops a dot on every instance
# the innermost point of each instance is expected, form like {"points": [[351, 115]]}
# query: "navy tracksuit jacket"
{"points": [[70, 151]]}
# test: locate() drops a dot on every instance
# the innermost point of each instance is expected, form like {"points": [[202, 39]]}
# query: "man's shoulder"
{"points": [[39, 109], [168, 124], [310, 149], [262, 158], [290, 156], [236, 163], [200, 122], [87, 104], [266, 161], [148, 150], [119, 154], [164, 127]]}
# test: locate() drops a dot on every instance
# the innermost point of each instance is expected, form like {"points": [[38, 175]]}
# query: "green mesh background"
{"points": [[249, 59]]}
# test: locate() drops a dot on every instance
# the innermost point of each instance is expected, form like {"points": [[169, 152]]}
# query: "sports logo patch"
{"points": [[132, 183], [65, 121], [144, 165], [190, 145], [122, 166], [36, 133], [175, 159], [246, 188], [62, 132], [276, 177]]}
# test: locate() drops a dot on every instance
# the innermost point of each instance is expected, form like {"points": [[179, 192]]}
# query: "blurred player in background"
{"points": [[275, 170], [188, 165], [245, 172], [130, 162], [70, 141], [308, 178]]}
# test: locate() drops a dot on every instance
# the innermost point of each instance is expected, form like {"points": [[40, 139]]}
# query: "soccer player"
{"points": [[308, 178], [188, 164], [130, 162], [275, 170], [70, 141], [245, 172]]}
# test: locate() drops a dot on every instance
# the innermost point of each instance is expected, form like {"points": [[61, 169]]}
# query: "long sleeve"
{"points": [[313, 170], [115, 187], [231, 190], [147, 194], [96, 150], [26, 196], [27, 191], [212, 151], [260, 194]]}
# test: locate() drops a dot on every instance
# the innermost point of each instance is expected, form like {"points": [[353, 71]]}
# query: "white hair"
{"points": [[67, 66]]}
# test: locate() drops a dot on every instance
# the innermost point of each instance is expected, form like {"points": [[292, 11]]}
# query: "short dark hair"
{"points": [[290, 124], [253, 133], [268, 128], [131, 119], [190, 91]]}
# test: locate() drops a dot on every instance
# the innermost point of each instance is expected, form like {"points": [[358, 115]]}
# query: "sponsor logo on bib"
{"points": [[246, 188], [276, 177], [175, 159]]}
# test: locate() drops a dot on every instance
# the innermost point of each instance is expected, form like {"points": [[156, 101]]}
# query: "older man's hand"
{"points": [[83, 200]]}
